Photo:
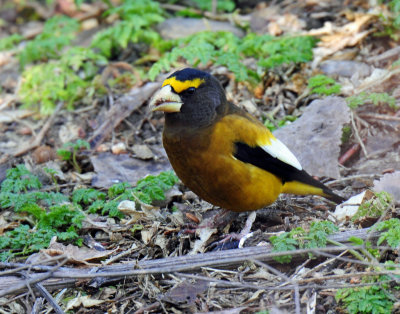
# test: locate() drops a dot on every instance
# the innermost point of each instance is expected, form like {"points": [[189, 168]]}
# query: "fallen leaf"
{"points": [[131, 209], [74, 254], [204, 234], [4, 225], [350, 207], [147, 234], [85, 301], [142, 152], [186, 292], [8, 116], [334, 39]]}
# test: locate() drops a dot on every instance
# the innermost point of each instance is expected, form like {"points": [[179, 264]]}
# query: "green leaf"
{"points": [[323, 85], [392, 233], [87, 196], [57, 33], [10, 42]]}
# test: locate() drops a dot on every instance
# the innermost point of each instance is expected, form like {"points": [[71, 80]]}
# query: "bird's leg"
{"points": [[245, 231]]}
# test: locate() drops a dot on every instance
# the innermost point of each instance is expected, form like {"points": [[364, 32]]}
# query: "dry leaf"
{"points": [[4, 225], [204, 234], [8, 116], [74, 254], [349, 208], [333, 39], [84, 301], [186, 292]]}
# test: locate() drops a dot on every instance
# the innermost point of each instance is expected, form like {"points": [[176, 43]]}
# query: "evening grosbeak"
{"points": [[223, 154]]}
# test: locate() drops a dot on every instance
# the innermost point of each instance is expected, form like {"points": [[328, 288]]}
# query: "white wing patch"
{"points": [[279, 150]]}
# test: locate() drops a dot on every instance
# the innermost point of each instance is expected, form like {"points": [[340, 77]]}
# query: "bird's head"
{"points": [[189, 97]]}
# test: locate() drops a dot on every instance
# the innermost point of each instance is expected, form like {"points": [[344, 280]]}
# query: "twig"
{"points": [[198, 263], [122, 109], [353, 261], [124, 253], [288, 280], [243, 285], [21, 267], [148, 308], [20, 286], [38, 139], [357, 134], [349, 178], [31, 281], [379, 116], [350, 275], [171, 264], [49, 298], [349, 153], [37, 307], [394, 52]]}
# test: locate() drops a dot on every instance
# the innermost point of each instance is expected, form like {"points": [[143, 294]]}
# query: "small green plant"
{"points": [[374, 207], [370, 299], [52, 173], [44, 215], [66, 80], [377, 99], [391, 21], [286, 242], [47, 214], [57, 33], [19, 179], [392, 233], [323, 85], [70, 151], [367, 249], [226, 49], [147, 190], [394, 6], [9, 42], [346, 133], [222, 5], [273, 125], [136, 19], [316, 237]]}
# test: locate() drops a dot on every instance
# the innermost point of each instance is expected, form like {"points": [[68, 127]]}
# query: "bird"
{"points": [[222, 153]]}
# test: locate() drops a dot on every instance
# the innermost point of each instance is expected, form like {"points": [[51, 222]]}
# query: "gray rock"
{"points": [[346, 68], [315, 137]]}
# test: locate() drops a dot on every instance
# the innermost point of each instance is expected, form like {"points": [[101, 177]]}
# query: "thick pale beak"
{"points": [[166, 100]]}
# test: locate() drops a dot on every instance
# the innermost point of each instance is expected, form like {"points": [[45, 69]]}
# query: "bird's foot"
{"points": [[238, 237]]}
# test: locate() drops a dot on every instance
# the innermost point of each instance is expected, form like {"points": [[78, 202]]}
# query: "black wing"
{"points": [[261, 159]]}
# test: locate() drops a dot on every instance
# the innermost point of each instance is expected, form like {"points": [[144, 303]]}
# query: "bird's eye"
{"points": [[191, 90]]}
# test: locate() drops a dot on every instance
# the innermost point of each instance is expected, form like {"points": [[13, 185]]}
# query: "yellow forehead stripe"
{"points": [[180, 86]]}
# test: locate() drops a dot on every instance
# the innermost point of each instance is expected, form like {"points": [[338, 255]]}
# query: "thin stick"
{"points": [[289, 280], [38, 139], [31, 281], [357, 134], [49, 298]]}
